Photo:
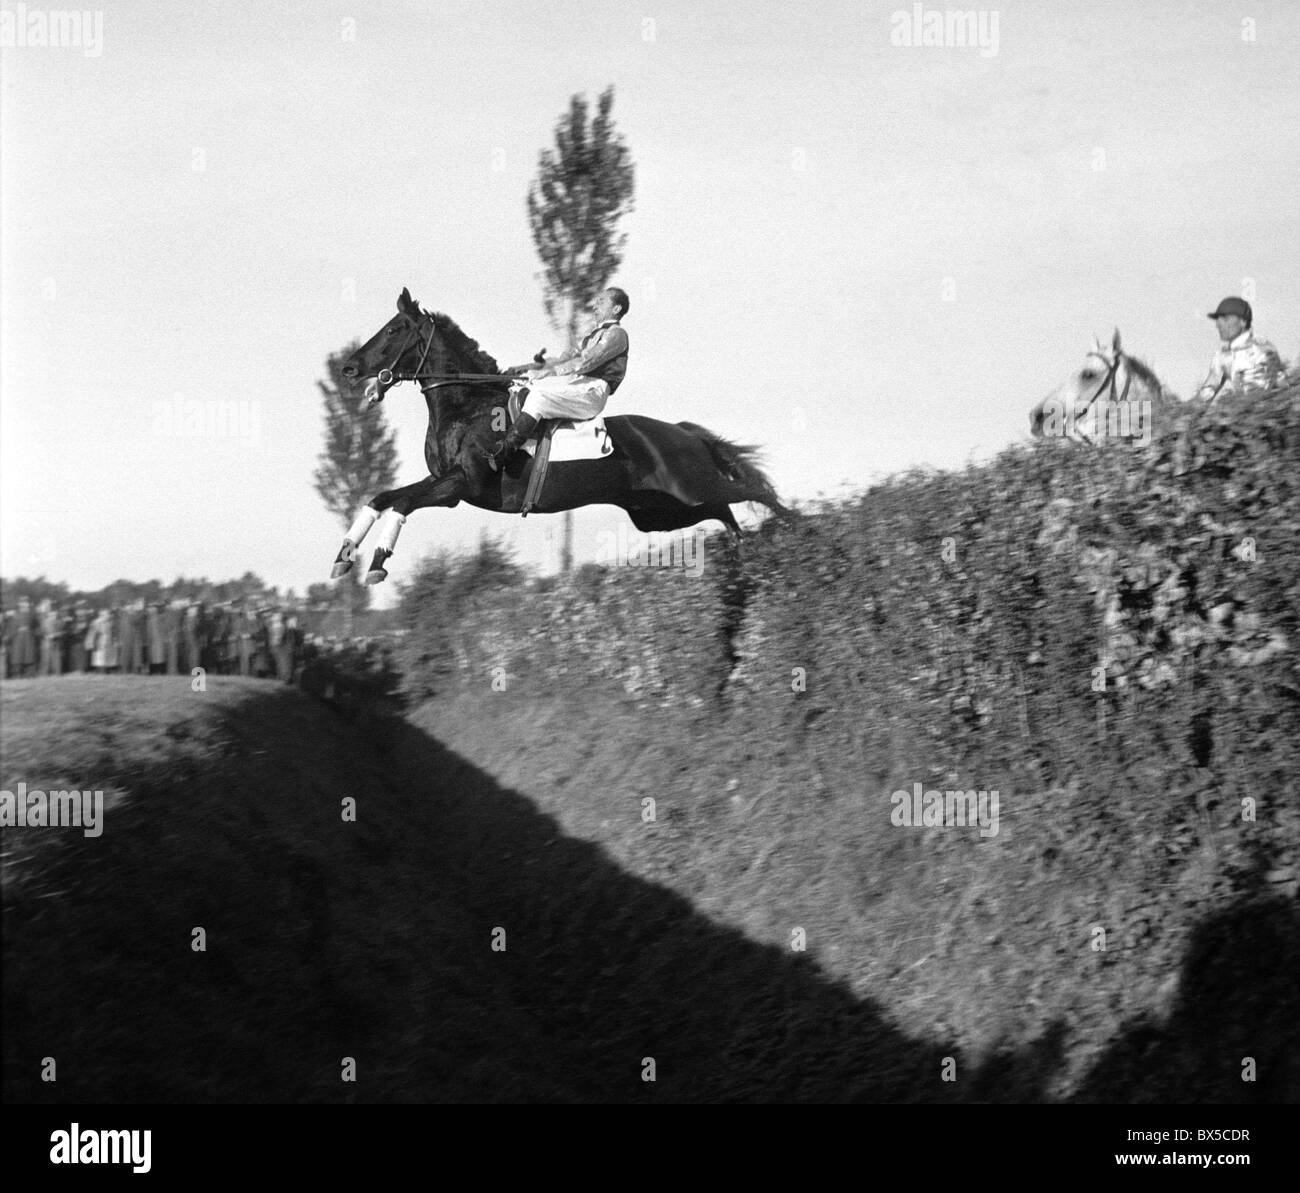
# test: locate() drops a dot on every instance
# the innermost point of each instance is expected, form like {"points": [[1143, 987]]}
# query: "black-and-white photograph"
{"points": [[651, 553]]}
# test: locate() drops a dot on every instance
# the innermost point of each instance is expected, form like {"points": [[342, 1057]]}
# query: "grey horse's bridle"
{"points": [[1110, 382]]}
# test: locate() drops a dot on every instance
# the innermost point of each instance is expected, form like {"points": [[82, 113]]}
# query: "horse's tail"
{"points": [[738, 462]]}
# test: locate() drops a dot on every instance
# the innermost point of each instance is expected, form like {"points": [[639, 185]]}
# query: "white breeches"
{"points": [[566, 397]]}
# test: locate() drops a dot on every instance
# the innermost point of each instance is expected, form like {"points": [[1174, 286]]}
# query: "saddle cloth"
{"points": [[585, 440]]}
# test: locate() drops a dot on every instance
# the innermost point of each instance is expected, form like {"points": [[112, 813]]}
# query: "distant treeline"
{"points": [[249, 586]]}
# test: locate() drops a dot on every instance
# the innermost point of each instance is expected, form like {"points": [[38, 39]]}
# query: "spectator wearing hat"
{"points": [[1243, 363]]}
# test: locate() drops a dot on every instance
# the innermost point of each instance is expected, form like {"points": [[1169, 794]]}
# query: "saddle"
{"points": [[557, 440]]}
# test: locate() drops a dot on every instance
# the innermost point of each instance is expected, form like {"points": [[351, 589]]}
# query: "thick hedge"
{"points": [[1064, 611], [1105, 635]]}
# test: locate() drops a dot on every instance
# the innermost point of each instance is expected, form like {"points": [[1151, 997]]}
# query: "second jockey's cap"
{"points": [[1233, 306]]}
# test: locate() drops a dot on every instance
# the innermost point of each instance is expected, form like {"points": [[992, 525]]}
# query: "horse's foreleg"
{"points": [[443, 490], [360, 527]]}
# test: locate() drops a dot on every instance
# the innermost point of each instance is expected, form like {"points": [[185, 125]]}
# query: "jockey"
{"points": [[1242, 364], [578, 385]]}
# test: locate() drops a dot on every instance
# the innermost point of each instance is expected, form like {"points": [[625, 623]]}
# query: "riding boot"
{"points": [[519, 433]]}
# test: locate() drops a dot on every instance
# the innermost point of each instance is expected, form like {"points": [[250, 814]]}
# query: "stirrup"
{"points": [[499, 454]]}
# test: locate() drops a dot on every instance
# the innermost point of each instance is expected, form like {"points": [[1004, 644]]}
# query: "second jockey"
{"points": [[578, 385], [1243, 363]]}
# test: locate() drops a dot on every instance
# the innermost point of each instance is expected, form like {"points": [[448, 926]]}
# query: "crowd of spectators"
{"points": [[261, 639], [140, 637]]}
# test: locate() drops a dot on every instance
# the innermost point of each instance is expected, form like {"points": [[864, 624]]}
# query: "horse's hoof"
{"points": [[376, 576], [344, 560]]}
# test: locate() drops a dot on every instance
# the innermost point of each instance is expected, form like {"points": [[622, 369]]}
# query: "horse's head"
{"points": [[407, 346], [1110, 395]]}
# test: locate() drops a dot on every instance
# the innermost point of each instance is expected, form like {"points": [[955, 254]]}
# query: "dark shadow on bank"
{"points": [[373, 940], [1234, 1034]]}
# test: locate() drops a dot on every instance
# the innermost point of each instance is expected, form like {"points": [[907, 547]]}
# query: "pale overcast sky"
{"points": [[862, 256]]}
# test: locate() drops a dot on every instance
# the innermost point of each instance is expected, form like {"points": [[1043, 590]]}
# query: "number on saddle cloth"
{"points": [[585, 440]]}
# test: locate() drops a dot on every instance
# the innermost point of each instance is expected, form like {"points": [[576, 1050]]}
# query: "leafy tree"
{"points": [[359, 459], [444, 590], [583, 187], [321, 597], [446, 584], [120, 592], [35, 590]]}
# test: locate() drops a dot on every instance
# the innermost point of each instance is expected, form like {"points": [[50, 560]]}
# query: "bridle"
{"points": [[389, 376], [1108, 382]]}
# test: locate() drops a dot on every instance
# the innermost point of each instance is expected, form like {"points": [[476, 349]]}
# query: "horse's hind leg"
{"points": [[726, 517]]}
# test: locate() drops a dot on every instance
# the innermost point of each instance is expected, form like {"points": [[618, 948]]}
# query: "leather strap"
{"points": [[541, 460]]}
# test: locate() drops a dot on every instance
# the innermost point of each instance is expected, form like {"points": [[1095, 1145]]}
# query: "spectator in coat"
{"points": [[264, 655], [24, 653], [51, 628], [192, 631], [293, 647], [78, 656], [127, 635], [171, 632], [228, 641], [6, 635], [244, 626], [155, 639], [275, 638], [101, 640], [67, 624]]}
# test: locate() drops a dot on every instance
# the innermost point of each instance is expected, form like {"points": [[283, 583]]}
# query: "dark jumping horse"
{"points": [[666, 475]]}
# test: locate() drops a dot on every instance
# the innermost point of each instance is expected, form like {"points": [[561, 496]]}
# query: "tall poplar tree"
{"points": [[583, 187]]}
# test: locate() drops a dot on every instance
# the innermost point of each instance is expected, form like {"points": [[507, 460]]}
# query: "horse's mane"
{"points": [[464, 347], [1144, 373]]}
